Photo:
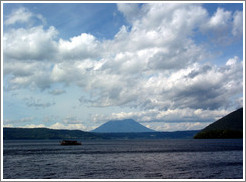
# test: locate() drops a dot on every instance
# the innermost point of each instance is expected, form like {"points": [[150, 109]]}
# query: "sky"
{"points": [[168, 66]]}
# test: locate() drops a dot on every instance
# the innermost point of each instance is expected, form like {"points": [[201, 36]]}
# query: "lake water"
{"points": [[129, 159]]}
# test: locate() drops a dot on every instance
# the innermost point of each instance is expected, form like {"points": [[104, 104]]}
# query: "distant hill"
{"points": [[122, 126], [230, 126], [45, 133]]}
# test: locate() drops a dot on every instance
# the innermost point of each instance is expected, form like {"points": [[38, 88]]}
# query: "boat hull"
{"points": [[70, 142]]}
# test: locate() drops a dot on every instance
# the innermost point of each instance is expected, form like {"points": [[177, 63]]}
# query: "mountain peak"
{"points": [[122, 126]]}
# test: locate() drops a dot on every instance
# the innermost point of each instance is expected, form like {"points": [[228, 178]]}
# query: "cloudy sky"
{"points": [[76, 66]]}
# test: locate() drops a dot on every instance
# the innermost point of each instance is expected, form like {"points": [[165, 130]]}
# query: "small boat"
{"points": [[70, 142]]}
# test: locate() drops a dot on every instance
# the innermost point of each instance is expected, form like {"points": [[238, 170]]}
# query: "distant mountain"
{"points": [[45, 133], [230, 126], [122, 126]]}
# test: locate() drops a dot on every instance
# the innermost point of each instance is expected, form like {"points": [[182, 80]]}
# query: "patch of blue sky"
{"points": [[69, 103], [225, 50], [212, 7], [71, 19], [21, 105], [219, 56], [14, 107]]}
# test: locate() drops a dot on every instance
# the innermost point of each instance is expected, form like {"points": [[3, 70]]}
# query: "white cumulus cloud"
{"points": [[153, 64]]}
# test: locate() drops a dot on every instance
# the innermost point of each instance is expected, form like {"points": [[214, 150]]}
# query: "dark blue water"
{"points": [[130, 159]]}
